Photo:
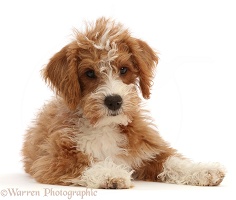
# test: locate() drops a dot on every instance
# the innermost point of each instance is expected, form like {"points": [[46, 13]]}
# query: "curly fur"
{"points": [[79, 139]]}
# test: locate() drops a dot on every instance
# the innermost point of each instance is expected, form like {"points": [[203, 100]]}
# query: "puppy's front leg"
{"points": [[160, 162], [183, 171], [105, 174], [178, 170]]}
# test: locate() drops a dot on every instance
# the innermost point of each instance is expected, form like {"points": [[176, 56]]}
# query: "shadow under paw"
{"points": [[115, 183]]}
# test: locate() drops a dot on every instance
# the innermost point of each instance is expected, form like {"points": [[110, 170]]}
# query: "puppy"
{"points": [[94, 133]]}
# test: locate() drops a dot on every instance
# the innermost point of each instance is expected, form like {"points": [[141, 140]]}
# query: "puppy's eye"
{"points": [[123, 70], [90, 73]]}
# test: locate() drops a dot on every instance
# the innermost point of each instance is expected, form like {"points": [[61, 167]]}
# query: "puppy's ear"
{"points": [[145, 60], [62, 74]]}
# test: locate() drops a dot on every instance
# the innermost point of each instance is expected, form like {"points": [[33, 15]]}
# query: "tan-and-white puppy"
{"points": [[94, 133]]}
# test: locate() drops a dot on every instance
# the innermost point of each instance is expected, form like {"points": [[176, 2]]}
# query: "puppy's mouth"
{"points": [[113, 117], [113, 113]]}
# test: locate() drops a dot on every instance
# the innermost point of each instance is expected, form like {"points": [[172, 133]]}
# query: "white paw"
{"points": [[116, 183], [183, 171], [210, 177], [105, 174]]}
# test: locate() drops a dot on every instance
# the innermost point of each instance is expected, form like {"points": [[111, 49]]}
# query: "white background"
{"points": [[194, 94]]}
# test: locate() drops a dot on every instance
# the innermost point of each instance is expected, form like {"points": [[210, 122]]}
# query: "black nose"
{"points": [[113, 102]]}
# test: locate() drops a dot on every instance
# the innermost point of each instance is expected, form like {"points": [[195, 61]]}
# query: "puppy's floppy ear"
{"points": [[62, 74], [145, 60]]}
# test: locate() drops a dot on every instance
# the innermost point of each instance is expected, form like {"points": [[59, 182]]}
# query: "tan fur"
{"points": [[50, 151]]}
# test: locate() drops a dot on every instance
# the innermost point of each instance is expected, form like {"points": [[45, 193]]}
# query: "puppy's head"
{"points": [[100, 70]]}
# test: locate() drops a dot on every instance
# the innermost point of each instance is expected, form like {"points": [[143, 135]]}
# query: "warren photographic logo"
{"points": [[48, 192]]}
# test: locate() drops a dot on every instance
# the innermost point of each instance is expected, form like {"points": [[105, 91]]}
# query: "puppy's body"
{"points": [[95, 133]]}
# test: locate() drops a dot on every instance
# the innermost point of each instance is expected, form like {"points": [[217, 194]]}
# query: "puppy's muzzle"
{"points": [[113, 102]]}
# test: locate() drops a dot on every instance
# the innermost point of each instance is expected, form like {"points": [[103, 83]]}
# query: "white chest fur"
{"points": [[100, 142]]}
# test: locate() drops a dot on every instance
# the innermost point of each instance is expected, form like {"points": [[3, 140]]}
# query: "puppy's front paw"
{"points": [[116, 183], [211, 174], [105, 174], [213, 177], [183, 171]]}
